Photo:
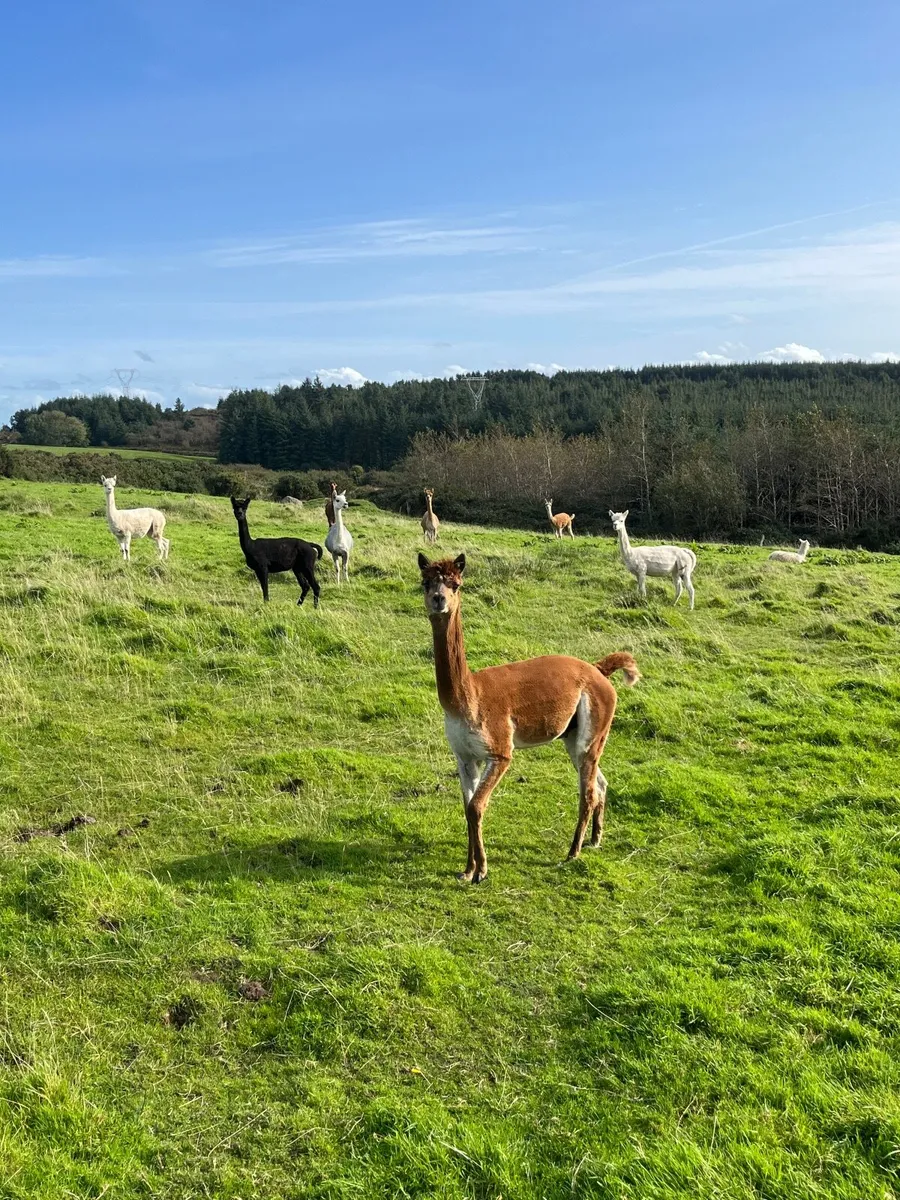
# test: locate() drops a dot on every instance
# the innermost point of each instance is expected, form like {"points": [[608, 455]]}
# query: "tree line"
{"points": [[313, 426], [106, 421], [829, 477]]}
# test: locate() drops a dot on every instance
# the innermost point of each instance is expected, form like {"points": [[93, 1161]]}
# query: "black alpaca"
{"points": [[266, 556]]}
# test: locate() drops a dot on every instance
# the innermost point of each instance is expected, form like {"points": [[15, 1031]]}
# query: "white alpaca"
{"points": [[339, 541], [675, 561], [789, 555], [126, 523]]}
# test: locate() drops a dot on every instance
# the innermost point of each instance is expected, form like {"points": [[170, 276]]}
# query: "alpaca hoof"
{"points": [[480, 876], [595, 842], [465, 876]]}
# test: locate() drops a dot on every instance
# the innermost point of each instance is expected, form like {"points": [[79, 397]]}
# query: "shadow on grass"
{"points": [[295, 859]]}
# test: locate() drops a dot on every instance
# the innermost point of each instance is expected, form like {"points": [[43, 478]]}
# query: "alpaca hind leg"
{"points": [[676, 579], [599, 809], [263, 577], [587, 796], [496, 769], [688, 583]]}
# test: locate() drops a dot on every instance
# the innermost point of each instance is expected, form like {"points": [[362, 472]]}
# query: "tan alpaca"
{"points": [[430, 523], [490, 713], [329, 504], [560, 523]]}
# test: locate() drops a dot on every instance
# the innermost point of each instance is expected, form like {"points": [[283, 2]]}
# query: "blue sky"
{"points": [[225, 194]]}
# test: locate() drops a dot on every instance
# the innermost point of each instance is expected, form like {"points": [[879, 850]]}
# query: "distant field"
{"points": [[707, 1008], [122, 452]]}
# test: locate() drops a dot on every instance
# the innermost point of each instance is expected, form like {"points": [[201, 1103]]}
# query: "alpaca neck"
{"points": [[450, 666], [339, 521], [624, 544], [428, 506], [244, 534], [111, 511]]}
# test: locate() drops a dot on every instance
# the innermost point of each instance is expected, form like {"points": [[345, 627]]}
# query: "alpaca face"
{"points": [[804, 546], [429, 492], [441, 582], [618, 519], [108, 484], [239, 507], [340, 501]]}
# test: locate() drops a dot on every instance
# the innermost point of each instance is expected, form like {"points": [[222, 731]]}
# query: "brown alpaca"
{"points": [[562, 522], [490, 713], [329, 504], [430, 523]]}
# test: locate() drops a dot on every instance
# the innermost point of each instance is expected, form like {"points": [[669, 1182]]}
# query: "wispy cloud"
{"points": [[378, 239], [49, 266], [143, 356]]}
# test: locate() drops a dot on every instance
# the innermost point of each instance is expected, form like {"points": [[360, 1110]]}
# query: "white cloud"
{"points": [[883, 356], [709, 359], [344, 376], [793, 352], [452, 371], [544, 370]]}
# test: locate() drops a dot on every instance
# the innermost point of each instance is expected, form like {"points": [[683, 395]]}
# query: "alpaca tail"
{"points": [[622, 661], [318, 550]]}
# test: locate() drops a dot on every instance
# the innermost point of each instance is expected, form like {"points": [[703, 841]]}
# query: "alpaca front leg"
{"points": [[497, 768], [347, 568], [469, 773], [642, 586], [337, 567]]}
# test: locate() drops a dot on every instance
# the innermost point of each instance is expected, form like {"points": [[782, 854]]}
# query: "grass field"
{"points": [[120, 451], [254, 974]]}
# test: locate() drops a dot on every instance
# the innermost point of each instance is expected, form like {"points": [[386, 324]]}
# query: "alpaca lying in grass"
{"points": [[268, 556], [790, 555], [126, 523]]}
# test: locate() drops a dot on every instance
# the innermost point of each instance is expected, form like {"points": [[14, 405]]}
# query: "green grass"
{"points": [[706, 1008], [120, 451]]}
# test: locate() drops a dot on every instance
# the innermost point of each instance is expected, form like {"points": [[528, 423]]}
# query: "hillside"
{"points": [[252, 971]]}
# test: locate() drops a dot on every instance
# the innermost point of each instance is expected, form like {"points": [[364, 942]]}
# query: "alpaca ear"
{"points": [[611, 513], [625, 513], [460, 563], [423, 561]]}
